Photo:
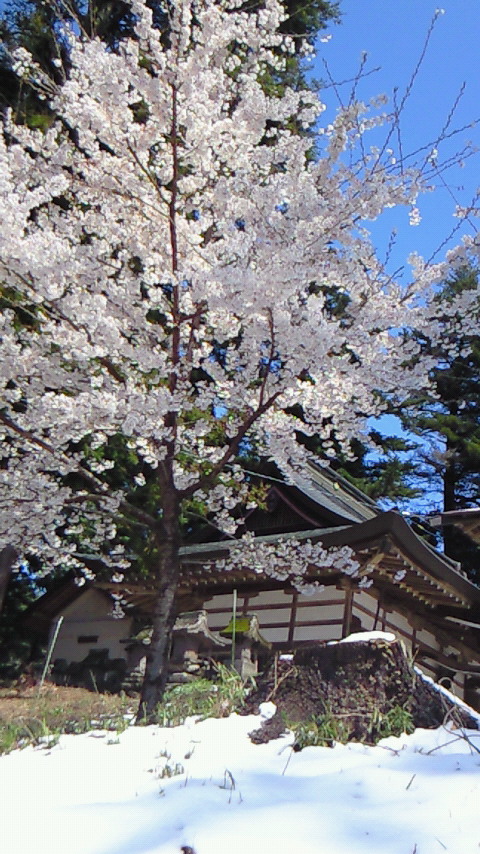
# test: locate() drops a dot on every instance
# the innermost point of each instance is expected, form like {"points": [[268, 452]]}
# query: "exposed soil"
{"points": [[358, 684]]}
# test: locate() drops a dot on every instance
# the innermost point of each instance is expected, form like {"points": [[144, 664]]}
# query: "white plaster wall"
{"points": [[362, 599], [223, 601], [275, 635], [399, 624], [393, 621], [319, 611], [271, 597], [458, 686], [91, 603], [91, 614], [274, 607], [320, 608], [318, 633], [220, 608], [428, 639]]}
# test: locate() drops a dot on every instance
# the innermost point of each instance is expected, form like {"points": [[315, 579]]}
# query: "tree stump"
{"points": [[361, 687]]}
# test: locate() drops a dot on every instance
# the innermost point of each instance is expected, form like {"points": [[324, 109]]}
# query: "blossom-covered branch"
{"points": [[169, 250]]}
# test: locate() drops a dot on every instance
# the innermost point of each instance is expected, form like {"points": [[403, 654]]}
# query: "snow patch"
{"points": [[366, 637]]}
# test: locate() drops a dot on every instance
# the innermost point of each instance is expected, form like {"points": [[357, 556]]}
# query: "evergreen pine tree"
{"points": [[445, 466]]}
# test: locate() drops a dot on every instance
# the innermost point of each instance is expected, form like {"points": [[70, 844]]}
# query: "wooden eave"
{"points": [[433, 571], [334, 494], [385, 546], [429, 577], [468, 521], [316, 497]]}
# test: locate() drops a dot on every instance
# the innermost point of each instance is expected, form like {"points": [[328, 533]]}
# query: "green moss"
{"points": [[241, 624]]}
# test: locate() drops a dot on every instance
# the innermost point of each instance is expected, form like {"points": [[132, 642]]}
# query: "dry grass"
{"points": [[28, 714], [33, 715]]}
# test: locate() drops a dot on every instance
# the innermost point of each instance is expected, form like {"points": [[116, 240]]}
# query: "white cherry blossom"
{"points": [[168, 252]]}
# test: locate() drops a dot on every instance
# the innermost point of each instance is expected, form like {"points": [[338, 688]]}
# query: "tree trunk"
{"points": [[156, 672], [449, 503], [8, 556]]}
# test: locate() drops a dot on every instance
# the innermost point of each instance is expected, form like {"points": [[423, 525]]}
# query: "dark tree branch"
{"points": [[232, 450]]}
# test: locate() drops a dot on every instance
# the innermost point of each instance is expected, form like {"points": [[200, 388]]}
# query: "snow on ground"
{"points": [[102, 794]]}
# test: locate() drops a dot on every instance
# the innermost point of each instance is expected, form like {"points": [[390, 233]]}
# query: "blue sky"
{"points": [[393, 34]]}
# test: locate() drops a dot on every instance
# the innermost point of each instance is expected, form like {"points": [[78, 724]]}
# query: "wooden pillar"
{"points": [[293, 617], [347, 609]]}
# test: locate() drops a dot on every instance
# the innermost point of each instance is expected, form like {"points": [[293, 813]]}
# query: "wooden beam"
{"points": [[448, 662]]}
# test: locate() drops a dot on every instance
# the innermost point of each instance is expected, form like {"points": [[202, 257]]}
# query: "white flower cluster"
{"points": [[178, 296], [289, 559]]}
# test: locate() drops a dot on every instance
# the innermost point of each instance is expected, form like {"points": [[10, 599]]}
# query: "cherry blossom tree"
{"points": [[171, 242]]}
